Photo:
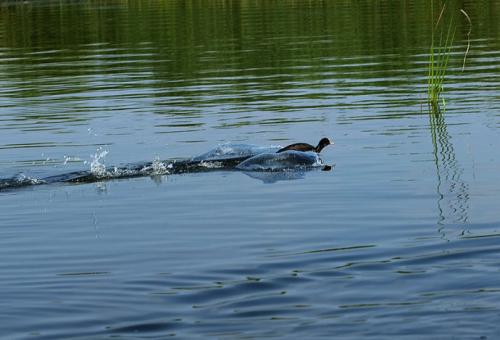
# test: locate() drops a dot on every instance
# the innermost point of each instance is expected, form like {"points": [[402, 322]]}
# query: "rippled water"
{"points": [[399, 239]]}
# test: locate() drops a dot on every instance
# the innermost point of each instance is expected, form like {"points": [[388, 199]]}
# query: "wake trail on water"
{"points": [[236, 157]]}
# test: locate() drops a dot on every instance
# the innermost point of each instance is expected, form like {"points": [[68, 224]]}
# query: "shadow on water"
{"points": [[453, 192]]}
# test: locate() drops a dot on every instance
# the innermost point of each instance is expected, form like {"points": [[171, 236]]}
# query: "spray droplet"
{"points": [[97, 166], [158, 166]]}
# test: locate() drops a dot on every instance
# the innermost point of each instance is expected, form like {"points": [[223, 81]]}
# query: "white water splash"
{"points": [[158, 167], [68, 159], [211, 165], [97, 166], [22, 178], [19, 180]]}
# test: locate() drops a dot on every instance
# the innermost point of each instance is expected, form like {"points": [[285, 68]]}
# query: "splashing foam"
{"points": [[211, 165], [159, 168], [19, 181], [97, 166], [99, 169], [22, 178]]}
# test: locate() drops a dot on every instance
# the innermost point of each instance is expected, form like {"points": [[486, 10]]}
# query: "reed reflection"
{"points": [[453, 192]]}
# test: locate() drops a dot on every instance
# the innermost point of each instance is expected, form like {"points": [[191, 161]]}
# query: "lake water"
{"points": [[401, 238]]}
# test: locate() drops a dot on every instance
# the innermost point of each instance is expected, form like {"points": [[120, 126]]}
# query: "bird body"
{"points": [[307, 147]]}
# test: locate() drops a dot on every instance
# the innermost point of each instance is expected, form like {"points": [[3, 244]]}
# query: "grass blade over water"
{"points": [[438, 61]]}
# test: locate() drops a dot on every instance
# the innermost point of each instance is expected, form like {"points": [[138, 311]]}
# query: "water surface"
{"points": [[399, 239]]}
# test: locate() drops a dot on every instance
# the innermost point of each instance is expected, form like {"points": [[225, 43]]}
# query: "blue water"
{"points": [[399, 239]]}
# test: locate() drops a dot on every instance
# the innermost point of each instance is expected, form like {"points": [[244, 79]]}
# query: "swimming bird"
{"points": [[307, 147]]}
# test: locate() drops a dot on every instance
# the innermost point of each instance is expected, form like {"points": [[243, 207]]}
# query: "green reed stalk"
{"points": [[438, 62], [468, 36]]}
